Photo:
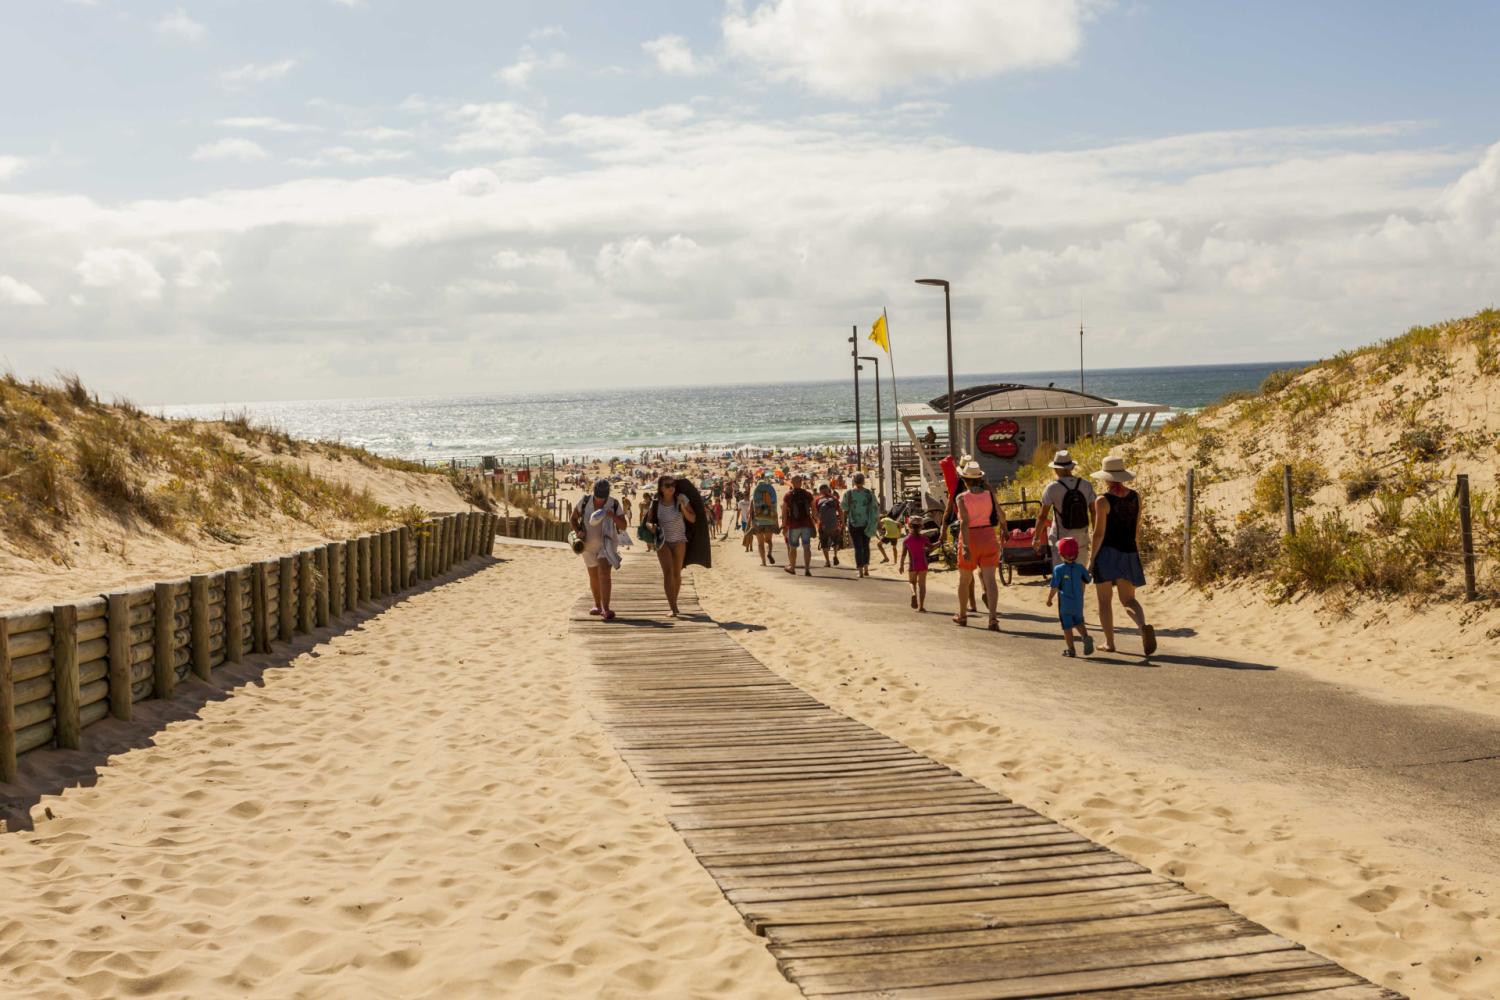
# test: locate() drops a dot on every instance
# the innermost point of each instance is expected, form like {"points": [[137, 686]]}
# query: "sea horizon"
{"points": [[604, 422]]}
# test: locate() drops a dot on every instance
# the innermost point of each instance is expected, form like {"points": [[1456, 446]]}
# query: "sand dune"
{"points": [[420, 807]]}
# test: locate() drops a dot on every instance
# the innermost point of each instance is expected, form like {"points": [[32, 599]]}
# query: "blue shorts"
{"points": [[1070, 618], [799, 537]]}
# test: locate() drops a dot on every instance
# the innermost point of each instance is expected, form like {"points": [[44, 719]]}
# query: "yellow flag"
{"points": [[879, 335]]}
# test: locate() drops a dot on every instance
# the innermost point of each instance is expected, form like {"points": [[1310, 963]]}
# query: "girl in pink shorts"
{"points": [[913, 560]]}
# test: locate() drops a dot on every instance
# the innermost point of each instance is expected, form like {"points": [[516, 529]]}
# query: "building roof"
{"points": [[1011, 397]]}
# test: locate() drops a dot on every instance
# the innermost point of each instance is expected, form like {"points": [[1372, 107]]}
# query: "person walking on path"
{"points": [[978, 545], [672, 518], [1115, 560], [1068, 582], [890, 534], [830, 524], [764, 520], [596, 518], [913, 562], [862, 518], [1067, 504], [797, 518]]}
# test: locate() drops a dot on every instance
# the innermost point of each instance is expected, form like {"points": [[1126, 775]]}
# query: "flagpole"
{"points": [[891, 354]]}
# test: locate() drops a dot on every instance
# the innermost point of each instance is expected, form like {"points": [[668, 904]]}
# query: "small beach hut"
{"points": [[1004, 426]]}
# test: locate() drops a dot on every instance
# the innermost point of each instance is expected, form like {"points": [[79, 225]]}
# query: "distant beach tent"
{"points": [[1004, 425]]}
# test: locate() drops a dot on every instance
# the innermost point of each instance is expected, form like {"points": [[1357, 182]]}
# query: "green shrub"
{"points": [[1308, 476], [1361, 483], [1278, 380], [1323, 554], [1421, 444]]}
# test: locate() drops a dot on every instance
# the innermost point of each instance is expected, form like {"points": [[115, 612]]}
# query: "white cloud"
{"points": [[528, 63], [859, 49], [251, 74], [266, 124], [10, 166], [179, 27], [546, 32], [18, 293], [351, 157], [379, 133], [244, 150], [121, 269], [673, 55], [500, 126]]}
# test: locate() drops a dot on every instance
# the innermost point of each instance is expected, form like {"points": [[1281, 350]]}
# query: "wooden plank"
{"points": [[234, 616], [320, 586], [260, 625], [286, 597], [306, 592], [65, 683]]}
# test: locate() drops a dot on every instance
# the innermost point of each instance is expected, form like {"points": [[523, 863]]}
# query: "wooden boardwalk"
{"points": [[873, 871]]}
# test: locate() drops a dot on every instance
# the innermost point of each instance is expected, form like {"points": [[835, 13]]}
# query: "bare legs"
{"points": [[671, 557], [1107, 612], [600, 583], [766, 543], [965, 595], [991, 595], [918, 583]]}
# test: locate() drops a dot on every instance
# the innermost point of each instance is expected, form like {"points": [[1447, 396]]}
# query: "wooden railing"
{"points": [[64, 668]]}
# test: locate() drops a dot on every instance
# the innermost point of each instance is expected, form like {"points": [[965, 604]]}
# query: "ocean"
{"points": [[619, 421]]}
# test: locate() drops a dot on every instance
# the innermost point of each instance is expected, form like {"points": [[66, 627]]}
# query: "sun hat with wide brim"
{"points": [[1114, 471], [1062, 460], [970, 469]]}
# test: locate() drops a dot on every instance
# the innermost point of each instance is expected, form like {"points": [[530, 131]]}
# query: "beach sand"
{"points": [[419, 807], [1404, 903]]}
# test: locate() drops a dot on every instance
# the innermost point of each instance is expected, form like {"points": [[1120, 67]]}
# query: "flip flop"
{"points": [[960, 621], [913, 600], [1148, 639], [994, 625], [790, 569], [609, 616], [806, 572], [595, 611]]}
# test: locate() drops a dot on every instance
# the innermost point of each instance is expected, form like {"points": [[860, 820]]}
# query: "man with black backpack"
{"points": [[797, 521], [1066, 507]]}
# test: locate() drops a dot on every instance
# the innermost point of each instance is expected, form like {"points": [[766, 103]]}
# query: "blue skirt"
{"points": [[1112, 564]]}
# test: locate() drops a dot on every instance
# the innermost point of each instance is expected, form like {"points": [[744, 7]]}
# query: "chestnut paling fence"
{"points": [[64, 668], [537, 528]]}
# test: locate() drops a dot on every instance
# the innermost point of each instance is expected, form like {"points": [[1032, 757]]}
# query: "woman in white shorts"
{"points": [[592, 530]]}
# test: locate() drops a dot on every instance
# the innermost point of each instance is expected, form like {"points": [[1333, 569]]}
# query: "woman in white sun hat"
{"points": [[1115, 557]]}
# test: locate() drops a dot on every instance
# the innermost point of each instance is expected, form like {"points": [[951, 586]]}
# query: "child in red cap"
{"points": [[1068, 581]]}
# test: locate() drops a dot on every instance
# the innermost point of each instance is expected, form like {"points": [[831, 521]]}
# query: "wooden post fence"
{"points": [[286, 603], [164, 666], [351, 575], [117, 625], [1466, 536], [260, 624], [234, 616], [304, 591], [320, 586], [1286, 496], [65, 676], [7, 708], [198, 624]]}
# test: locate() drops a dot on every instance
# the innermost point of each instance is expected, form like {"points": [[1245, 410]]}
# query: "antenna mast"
{"points": [[1080, 345]]}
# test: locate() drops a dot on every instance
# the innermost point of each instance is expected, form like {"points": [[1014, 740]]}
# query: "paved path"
{"points": [[1411, 768], [874, 871]]}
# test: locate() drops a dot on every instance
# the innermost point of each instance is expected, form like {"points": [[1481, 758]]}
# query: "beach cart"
{"points": [[1017, 532]]}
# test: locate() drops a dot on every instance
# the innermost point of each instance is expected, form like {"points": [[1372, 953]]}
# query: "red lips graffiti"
{"points": [[999, 438]]}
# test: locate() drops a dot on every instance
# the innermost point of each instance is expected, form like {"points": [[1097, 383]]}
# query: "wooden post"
{"points": [[351, 575], [404, 560], [1187, 529], [234, 617], [260, 617], [388, 562], [1466, 536], [333, 558], [461, 537], [286, 609], [452, 534], [65, 676], [364, 568], [1286, 495], [8, 708], [306, 599], [117, 628], [198, 623], [164, 670], [421, 552], [320, 586]]}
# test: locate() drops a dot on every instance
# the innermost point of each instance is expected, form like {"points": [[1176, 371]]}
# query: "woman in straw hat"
{"points": [[1115, 554], [978, 546]]}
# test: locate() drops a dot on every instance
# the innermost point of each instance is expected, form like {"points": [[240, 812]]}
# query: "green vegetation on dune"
{"points": [[66, 456], [1374, 437]]}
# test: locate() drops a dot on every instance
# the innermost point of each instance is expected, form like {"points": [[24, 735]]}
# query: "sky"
{"points": [[244, 200]]}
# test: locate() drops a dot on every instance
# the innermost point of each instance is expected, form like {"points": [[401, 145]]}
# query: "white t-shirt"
{"points": [[1052, 496]]}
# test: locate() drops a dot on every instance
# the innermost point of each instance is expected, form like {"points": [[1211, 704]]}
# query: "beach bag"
{"points": [[1073, 512]]}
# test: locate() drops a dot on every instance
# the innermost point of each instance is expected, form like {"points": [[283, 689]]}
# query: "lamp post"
{"points": [[948, 317], [859, 450], [879, 429]]}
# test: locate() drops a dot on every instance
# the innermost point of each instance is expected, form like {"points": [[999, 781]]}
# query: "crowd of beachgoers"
{"points": [[679, 504]]}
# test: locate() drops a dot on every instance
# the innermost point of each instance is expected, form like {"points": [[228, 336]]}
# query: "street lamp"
{"points": [[879, 429], [948, 315]]}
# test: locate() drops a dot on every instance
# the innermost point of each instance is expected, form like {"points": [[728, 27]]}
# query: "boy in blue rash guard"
{"points": [[1068, 580]]}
